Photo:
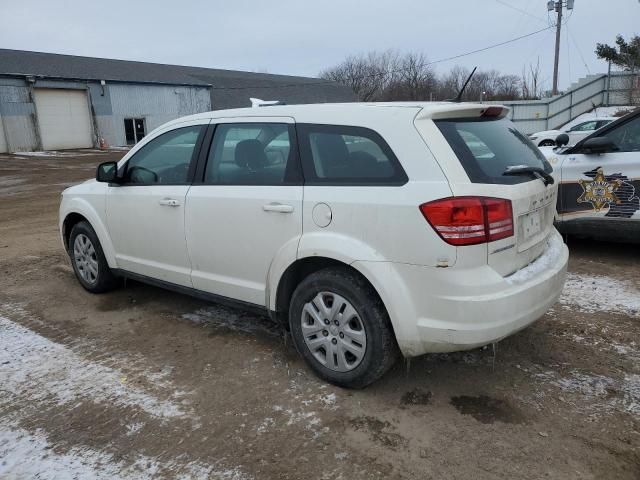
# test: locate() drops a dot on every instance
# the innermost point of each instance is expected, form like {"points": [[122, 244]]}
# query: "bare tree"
{"points": [[452, 82], [415, 80], [367, 75], [391, 76], [531, 88]]}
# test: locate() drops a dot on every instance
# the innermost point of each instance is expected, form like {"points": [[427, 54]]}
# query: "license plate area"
{"points": [[533, 227], [532, 224]]}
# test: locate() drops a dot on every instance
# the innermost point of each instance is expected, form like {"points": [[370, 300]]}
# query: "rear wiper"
{"points": [[527, 170]]}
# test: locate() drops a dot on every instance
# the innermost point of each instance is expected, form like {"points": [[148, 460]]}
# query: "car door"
{"points": [[606, 185], [247, 209], [145, 212]]}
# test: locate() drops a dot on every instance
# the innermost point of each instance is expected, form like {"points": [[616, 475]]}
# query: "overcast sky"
{"points": [[302, 37]]}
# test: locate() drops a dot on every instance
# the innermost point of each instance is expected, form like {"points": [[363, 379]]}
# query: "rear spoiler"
{"points": [[461, 110]]}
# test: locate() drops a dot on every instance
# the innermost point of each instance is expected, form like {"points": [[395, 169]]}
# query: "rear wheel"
{"points": [[547, 143], [87, 258], [341, 328]]}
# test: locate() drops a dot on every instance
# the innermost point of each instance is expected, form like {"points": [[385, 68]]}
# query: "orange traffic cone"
{"points": [[103, 144]]}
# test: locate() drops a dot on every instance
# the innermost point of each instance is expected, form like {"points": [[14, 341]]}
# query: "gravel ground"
{"points": [[143, 383]]}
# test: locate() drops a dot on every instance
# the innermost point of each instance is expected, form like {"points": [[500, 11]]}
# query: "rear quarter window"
{"points": [[486, 148], [347, 155]]}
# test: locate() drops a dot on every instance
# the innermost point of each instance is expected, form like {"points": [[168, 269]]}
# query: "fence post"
{"points": [[571, 105], [547, 116], [608, 82]]}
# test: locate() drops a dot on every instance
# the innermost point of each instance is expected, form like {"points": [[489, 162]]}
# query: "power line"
{"points": [[425, 64], [566, 31], [584, 62], [521, 11]]}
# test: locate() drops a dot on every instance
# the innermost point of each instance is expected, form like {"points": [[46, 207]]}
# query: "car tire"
{"points": [[547, 143], [88, 261], [358, 345]]}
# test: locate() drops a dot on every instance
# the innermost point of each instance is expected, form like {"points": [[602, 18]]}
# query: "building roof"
{"points": [[229, 88]]}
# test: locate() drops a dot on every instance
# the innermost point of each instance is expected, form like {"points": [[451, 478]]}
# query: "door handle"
{"points": [[277, 207], [170, 202]]}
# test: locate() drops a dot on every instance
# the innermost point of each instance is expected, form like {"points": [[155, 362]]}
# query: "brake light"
{"points": [[493, 112], [470, 220]]}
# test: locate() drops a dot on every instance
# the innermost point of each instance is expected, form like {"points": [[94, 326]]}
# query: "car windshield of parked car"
{"points": [[486, 148]]}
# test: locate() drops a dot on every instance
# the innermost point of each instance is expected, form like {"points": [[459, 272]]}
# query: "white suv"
{"points": [[366, 229]]}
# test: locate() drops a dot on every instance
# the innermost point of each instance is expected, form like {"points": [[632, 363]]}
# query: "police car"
{"points": [[599, 182]]}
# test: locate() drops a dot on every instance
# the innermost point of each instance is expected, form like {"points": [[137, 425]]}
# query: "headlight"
{"points": [[531, 137]]}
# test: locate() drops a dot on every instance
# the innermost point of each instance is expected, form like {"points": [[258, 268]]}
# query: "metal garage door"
{"points": [[3, 141], [64, 119]]}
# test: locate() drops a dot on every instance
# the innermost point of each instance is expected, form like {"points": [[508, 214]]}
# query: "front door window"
{"points": [[165, 160]]}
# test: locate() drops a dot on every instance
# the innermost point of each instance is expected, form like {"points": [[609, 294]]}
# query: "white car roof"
{"points": [[325, 110], [591, 119]]}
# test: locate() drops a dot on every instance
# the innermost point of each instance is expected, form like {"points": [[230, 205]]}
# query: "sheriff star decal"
{"points": [[599, 192], [615, 191]]}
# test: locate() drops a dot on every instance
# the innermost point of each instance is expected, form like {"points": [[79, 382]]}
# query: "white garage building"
{"points": [[54, 102]]}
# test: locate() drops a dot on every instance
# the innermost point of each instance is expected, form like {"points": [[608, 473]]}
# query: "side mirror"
{"points": [[597, 145], [107, 172], [562, 140]]}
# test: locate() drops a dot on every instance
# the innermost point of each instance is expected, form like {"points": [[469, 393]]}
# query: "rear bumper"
{"points": [[449, 309]]}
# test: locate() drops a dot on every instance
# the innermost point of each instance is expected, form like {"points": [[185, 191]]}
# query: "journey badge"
{"points": [[599, 192]]}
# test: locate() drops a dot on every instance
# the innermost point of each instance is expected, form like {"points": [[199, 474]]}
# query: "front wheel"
{"points": [[547, 143], [87, 258], [341, 328]]}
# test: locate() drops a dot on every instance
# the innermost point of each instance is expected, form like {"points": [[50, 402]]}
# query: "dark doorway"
{"points": [[134, 130]]}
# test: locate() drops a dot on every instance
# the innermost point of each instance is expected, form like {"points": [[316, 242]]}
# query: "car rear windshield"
{"points": [[486, 148]]}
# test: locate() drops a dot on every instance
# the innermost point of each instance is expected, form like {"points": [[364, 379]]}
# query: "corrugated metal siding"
{"points": [[3, 142], [17, 116], [20, 133], [156, 104]]}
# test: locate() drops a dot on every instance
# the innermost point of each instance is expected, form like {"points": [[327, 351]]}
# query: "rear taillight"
{"points": [[493, 112], [470, 220]]}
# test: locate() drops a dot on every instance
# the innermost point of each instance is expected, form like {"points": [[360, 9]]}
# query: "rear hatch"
{"points": [[484, 155]]}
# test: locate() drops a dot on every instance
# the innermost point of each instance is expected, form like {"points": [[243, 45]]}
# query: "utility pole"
{"points": [[557, 6]]}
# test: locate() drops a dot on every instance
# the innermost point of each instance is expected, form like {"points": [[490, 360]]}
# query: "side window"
{"points": [[626, 136], [165, 160], [347, 155], [584, 127], [253, 154]]}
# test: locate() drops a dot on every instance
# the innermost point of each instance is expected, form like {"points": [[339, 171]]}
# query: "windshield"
{"points": [[486, 148]]}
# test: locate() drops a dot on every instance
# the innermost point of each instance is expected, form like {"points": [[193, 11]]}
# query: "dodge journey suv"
{"points": [[368, 230]]}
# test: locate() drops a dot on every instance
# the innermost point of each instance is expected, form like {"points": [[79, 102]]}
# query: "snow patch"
{"points": [[605, 394], [329, 400], [266, 424], [30, 455], [41, 370], [549, 259], [596, 293], [599, 112], [56, 153]]}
